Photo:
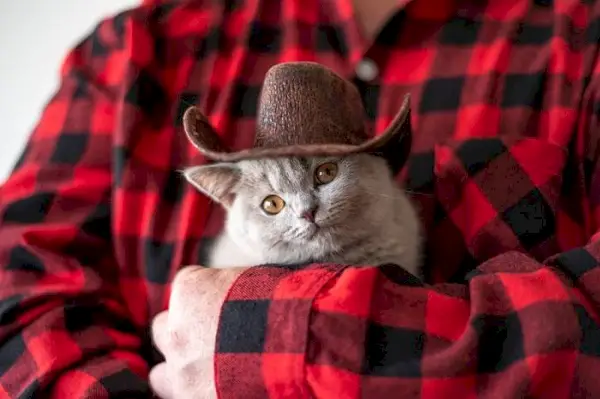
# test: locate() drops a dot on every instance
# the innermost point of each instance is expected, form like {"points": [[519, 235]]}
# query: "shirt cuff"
{"points": [[263, 329]]}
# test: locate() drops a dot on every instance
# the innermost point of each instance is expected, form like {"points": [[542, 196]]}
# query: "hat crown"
{"points": [[305, 109], [304, 103]]}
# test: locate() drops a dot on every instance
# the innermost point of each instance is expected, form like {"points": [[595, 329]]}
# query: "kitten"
{"points": [[297, 210]]}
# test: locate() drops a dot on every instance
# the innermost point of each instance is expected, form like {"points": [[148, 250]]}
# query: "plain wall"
{"points": [[35, 36]]}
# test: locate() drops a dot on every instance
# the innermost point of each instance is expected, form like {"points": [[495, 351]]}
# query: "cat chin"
{"points": [[227, 253]]}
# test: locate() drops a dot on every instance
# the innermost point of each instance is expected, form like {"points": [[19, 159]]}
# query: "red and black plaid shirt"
{"points": [[96, 220]]}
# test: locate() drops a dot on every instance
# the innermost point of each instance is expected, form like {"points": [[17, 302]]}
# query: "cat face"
{"points": [[299, 208]]}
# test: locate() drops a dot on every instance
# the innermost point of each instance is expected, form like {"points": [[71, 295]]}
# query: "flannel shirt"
{"points": [[95, 220]]}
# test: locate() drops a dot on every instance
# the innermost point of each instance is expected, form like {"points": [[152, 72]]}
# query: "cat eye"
{"points": [[273, 204], [325, 173]]}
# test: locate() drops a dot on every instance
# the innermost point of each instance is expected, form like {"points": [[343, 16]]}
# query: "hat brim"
{"points": [[202, 135]]}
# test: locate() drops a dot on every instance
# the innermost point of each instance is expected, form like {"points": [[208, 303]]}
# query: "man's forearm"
{"points": [[516, 328]]}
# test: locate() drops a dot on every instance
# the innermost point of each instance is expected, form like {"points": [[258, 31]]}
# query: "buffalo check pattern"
{"points": [[95, 220]]}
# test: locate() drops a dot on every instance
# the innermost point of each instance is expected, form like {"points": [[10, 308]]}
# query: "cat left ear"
{"points": [[218, 181]]}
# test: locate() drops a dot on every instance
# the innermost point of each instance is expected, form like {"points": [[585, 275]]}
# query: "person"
{"points": [[103, 293]]}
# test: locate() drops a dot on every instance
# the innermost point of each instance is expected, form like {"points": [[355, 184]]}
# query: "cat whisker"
{"points": [[292, 234], [419, 193], [276, 243], [404, 191], [400, 197], [387, 196]]}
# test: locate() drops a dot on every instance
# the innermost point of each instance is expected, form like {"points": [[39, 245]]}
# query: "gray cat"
{"points": [[297, 210]]}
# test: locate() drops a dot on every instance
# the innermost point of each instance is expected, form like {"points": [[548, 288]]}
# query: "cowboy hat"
{"points": [[305, 109]]}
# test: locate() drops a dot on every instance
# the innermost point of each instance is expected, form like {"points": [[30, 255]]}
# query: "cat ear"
{"points": [[217, 181]]}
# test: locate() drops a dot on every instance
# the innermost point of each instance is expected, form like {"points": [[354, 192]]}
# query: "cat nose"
{"points": [[309, 214]]}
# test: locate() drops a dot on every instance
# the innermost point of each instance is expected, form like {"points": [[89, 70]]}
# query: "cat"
{"points": [[293, 210]]}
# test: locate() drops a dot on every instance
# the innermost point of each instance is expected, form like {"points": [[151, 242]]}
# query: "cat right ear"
{"points": [[217, 181]]}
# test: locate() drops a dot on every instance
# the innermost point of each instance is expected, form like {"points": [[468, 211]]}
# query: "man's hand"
{"points": [[186, 333]]}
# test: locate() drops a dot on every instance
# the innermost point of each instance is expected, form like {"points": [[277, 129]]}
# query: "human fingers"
{"points": [[159, 381]]}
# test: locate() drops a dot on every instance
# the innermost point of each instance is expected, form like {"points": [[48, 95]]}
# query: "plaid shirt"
{"points": [[95, 219]]}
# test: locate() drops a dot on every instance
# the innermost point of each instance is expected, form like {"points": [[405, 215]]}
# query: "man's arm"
{"points": [[65, 331], [516, 328]]}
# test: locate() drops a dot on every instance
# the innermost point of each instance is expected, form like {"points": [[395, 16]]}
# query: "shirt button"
{"points": [[367, 70]]}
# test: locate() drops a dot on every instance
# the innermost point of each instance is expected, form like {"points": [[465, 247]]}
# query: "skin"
{"points": [[196, 298], [198, 293]]}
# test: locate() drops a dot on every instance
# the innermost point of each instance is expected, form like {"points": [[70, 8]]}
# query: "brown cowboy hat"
{"points": [[305, 109]]}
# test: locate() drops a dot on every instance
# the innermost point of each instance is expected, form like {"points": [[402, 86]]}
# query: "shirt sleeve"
{"points": [[516, 329], [65, 331]]}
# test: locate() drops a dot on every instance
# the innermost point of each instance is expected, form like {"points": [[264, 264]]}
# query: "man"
{"points": [[95, 222]]}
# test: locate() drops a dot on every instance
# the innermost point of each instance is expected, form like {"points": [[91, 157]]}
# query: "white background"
{"points": [[35, 36]]}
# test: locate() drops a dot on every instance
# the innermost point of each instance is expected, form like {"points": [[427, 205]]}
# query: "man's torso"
{"points": [[501, 98]]}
